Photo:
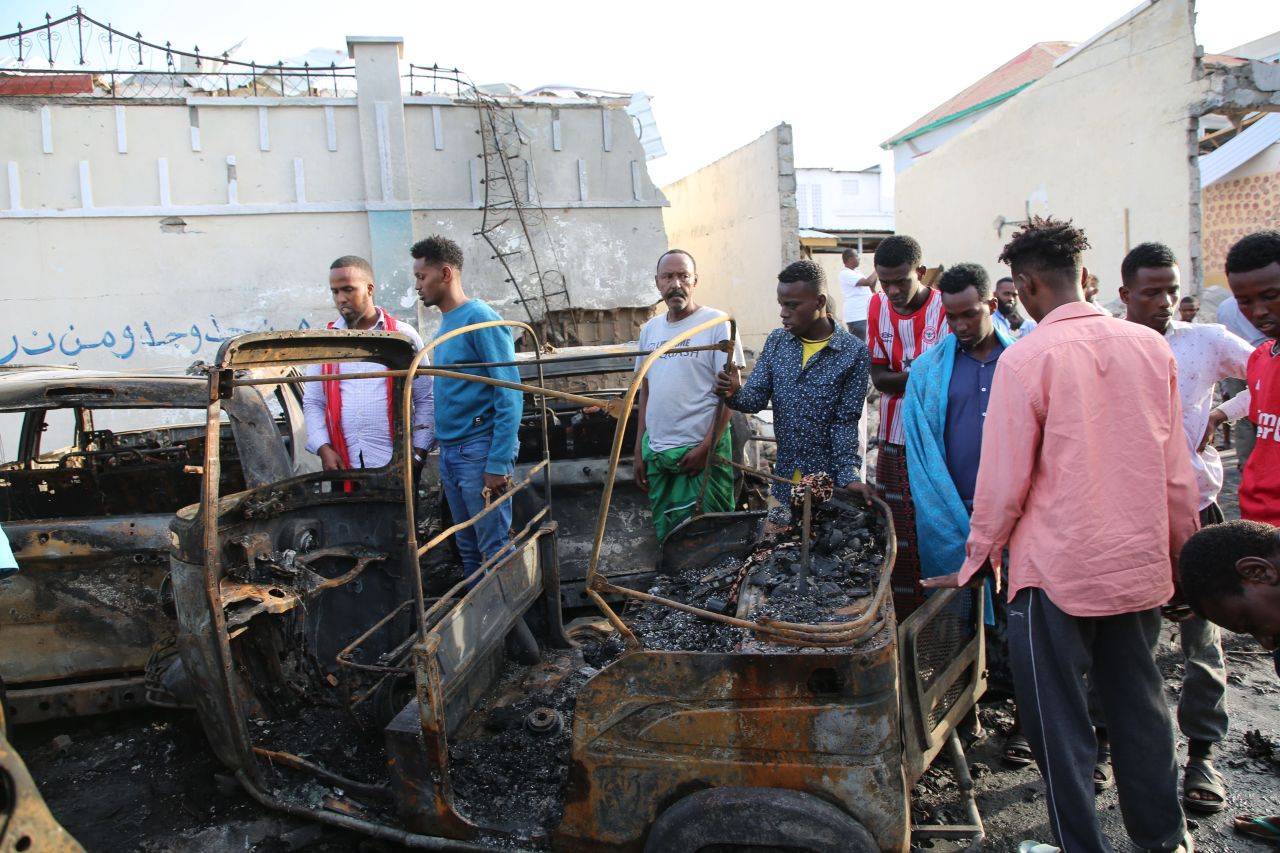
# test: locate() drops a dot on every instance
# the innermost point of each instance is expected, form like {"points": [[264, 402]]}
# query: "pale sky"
{"points": [[845, 75]]}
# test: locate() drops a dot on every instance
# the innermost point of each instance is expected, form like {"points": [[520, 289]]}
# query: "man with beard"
{"points": [[1206, 353], [349, 420], [681, 425], [1007, 317]]}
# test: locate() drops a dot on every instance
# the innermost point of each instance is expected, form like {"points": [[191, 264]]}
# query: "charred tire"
{"points": [[755, 818]]}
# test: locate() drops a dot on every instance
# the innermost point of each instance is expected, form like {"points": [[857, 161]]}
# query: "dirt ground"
{"points": [[147, 781]]}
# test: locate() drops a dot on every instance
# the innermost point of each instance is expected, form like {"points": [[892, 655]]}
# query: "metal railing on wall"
{"points": [[434, 80], [78, 55]]}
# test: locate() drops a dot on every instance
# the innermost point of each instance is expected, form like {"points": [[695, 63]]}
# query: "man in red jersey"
{"points": [[904, 319], [1253, 271]]}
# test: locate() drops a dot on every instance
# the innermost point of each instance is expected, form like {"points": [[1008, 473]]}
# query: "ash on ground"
{"points": [[328, 736], [846, 557], [510, 763]]}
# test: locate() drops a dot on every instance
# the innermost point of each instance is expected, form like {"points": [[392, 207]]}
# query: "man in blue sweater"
{"points": [[476, 423]]}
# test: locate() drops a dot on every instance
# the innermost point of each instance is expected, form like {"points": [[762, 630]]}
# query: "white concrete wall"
{"points": [[1105, 132], [738, 218], [141, 233]]}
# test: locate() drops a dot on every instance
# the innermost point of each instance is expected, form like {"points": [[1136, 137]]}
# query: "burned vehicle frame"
{"points": [[89, 525], [580, 440], [337, 689], [25, 820]]}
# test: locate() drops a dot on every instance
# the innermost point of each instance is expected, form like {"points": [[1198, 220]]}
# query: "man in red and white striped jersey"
{"points": [[904, 319]]}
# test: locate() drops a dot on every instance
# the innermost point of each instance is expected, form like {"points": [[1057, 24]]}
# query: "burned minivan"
{"points": [[749, 688], [96, 464]]}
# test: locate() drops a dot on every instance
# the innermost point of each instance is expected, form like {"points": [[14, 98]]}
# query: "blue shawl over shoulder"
{"points": [[942, 523]]}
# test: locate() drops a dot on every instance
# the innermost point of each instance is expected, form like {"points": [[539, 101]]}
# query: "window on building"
{"points": [[849, 186]]}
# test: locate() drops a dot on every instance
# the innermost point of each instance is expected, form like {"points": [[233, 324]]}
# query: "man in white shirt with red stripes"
{"points": [[904, 319]]}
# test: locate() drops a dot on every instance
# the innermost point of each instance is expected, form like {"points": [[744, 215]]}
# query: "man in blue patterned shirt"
{"points": [[815, 373]]}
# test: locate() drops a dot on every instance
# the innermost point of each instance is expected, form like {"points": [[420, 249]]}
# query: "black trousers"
{"points": [[1052, 653]]}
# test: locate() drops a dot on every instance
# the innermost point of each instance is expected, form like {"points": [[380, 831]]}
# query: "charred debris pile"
{"points": [[775, 581], [510, 764]]}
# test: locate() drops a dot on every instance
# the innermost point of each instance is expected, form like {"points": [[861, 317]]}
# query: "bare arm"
{"points": [[889, 381]]}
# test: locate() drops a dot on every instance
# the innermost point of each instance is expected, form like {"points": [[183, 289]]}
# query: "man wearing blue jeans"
{"points": [[476, 424]]}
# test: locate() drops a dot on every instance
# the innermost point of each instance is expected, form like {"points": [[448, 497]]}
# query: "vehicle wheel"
{"points": [[723, 819]]}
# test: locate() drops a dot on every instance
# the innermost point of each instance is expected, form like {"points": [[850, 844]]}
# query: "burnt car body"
{"points": [[87, 511], [339, 682]]}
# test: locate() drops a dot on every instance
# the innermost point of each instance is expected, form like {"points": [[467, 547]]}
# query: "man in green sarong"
{"points": [[680, 424]]}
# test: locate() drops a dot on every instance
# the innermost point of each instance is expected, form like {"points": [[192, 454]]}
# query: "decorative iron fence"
{"points": [[107, 62], [434, 80]]}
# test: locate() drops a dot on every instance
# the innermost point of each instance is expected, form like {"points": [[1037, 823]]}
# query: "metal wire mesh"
{"points": [[942, 638]]}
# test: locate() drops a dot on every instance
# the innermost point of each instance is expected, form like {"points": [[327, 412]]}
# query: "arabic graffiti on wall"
{"points": [[128, 341]]}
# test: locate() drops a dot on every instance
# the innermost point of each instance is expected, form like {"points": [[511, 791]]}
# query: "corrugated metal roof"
{"points": [[1248, 144], [1024, 69]]}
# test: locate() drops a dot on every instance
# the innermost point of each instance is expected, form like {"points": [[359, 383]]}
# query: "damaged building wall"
{"points": [[141, 232], [1106, 139], [1245, 201], [738, 218]]}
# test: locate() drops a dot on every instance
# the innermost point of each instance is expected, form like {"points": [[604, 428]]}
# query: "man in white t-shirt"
{"points": [[680, 422], [855, 294], [1206, 353]]}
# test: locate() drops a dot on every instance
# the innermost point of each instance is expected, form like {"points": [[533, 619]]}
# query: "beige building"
{"points": [[1108, 136], [149, 215], [738, 218]]}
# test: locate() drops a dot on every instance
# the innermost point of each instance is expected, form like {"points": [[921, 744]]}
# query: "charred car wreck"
{"points": [[342, 682], [86, 498]]}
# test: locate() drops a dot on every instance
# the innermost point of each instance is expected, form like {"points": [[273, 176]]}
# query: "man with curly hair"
{"points": [[1093, 529], [1253, 272]]}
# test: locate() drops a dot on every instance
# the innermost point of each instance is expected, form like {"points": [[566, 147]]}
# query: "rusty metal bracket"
{"points": [[241, 601]]}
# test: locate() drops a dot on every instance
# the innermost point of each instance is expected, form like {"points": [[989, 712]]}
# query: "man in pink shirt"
{"points": [[1094, 498]]}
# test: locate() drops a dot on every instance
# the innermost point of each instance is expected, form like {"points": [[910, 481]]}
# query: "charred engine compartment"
{"points": [[110, 474]]}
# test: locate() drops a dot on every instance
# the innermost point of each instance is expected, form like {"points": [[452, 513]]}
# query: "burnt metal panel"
{"points": [[25, 821], [656, 726]]}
